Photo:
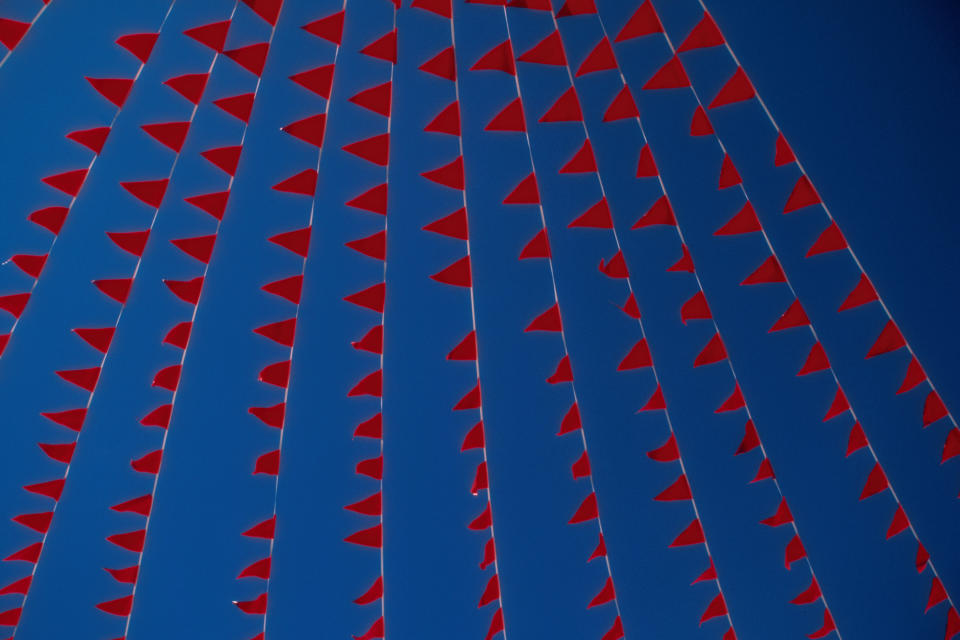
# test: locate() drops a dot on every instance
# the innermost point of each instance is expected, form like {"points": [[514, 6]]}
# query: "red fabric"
{"points": [[781, 517], [784, 154], [69, 182], [92, 139], [716, 608], [767, 273], [616, 267], [809, 595], [525, 192], [639, 356], [12, 31], [606, 594], [803, 195], [269, 10], [115, 90], [373, 246], [214, 204], [370, 428], [667, 452], [480, 479], [159, 417], [489, 554], [600, 58], [369, 506], [374, 593], [59, 452], [482, 521], [857, 439], [50, 218], [496, 624], [14, 303], [238, 106], [586, 511], [596, 217], [372, 468], [310, 129], [376, 99], [319, 80], [630, 307], [646, 167], [457, 274], [186, 290], [831, 239], [816, 360], [734, 402], [922, 557], [696, 308], [447, 121], [622, 107], [84, 378], [259, 569], [131, 541], [440, 7], [862, 294], [133, 242], [149, 463], [713, 352], [27, 554], [827, 628], [224, 158], [297, 241], [375, 631], [937, 594], [953, 624], [169, 134], [149, 192], [277, 374], [329, 27], [899, 523], [692, 534], [671, 75], [257, 606], [951, 446], [167, 378], [737, 89], [448, 175], [370, 385], [491, 592], [268, 463], [466, 349], [643, 22], [571, 420], [794, 316], [549, 320], [199, 248], [270, 416], [453, 225], [192, 85], [655, 402], [383, 48], [140, 505], [474, 438], [705, 34], [661, 213], [119, 607], [600, 550], [576, 8], [890, 339], [933, 409], [565, 109], [31, 265], [252, 57], [563, 372], [51, 489], [99, 339], [700, 123], [373, 200], [764, 471], [751, 439], [21, 587], [264, 529], [616, 631], [678, 490], [213, 35], [510, 118], [838, 406], [500, 58], [71, 419], [794, 552], [581, 468], [914, 376], [538, 247], [710, 573], [288, 288], [469, 401], [547, 51]]}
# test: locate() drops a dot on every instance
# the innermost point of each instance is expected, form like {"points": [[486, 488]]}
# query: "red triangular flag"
{"points": [[705, 34], [525, 192], [214, 204], [890, 339], [252, 57], [373, 200], [457, 274], [453, 225], [269, 10], [671, 75], [319, 80], [303, 183], [237, 106], [803, 195], [92, 139], [622, 107], [600, 58], [500, 58], [115, 90], [191, 87], [329, 28], [729, 176], [784, 154], [510, 118], [565, 109], [596, 217], [447, 121], [224, 158], [861, 294], [213, 35], [448, 175], [643, 22], [794, 316], [139, 44], [442, 65], [582, 161], [737, 89], [547, 51], [149, 192], [383, 48], [200, 248]]}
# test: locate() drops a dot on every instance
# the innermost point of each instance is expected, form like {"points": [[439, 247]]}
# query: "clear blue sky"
{"points": [[866, 94]]}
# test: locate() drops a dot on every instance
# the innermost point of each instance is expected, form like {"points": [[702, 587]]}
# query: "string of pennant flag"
{"points": [[525, 49]]}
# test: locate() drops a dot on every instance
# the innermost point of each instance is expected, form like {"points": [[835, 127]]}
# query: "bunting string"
{"points": [[12, 32]]}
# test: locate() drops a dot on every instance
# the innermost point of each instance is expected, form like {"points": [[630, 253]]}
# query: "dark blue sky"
{"points": [[864, 92]]}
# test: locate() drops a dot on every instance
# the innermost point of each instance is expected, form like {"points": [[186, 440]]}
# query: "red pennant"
{"points": [[586, 511], [371, 298], [440, 7], [376, 99], [214, 204], [224, 158], [50, 218], [549, 320], [581, 468], [374, 593], [827, 628], [857, 439], [21, 586], [937, 594], [794, 316], [734, 402], [51, 489], [199, 248], [167, 378], [696, 308], [661, 213], [86, 379], [571, 420], [596, 217], [565, 109], [213, 35], [383, 48], [115, 90], [606, 594], [496, 624], [729, 176], [466, 349], [953, 623], [830, 240], [716, 608], [264, 529], [890, 339], [700, 124], [622, 107], [601, 549], [117, 289], [159, 417], [449, 175], [329, 28], [259, 569], [375, 149], [500, 58], [370, 385], [470, 401], [671, 75], [269, 10], [705, 34], [876, 482], [257, 606], [600, 58], [794, 552], [369, 506], [616, 267], [524, 193], [547, 51], [373, 246], [371, 428], [192, 85], [679, 490], [237, 106], [149, 192], [270, 416], [538, 247], [692, 534], [141, 505], [303, 183], [655, 402], [310, 130], [816, 360], [643, 22], [447, 121], [93, 139], [838, 406], [442, 65], [951, 446], [803, 195], [767, 273], [638, 357], [933, 409], [457, 274], [922, 558], [452, 226], [280, 332], [373, 200], [287, 288], [12, 31], [751, 439], [71, 419], [119, 607], [251, 57], [319, 80], [784, 154], [30, 264], [899, 523], [482, 521], [376, 629], [69, 182], [709, 574], [297, 241], [861, 294], [616, 631], [563, 372], [186, 290], [630, 307], [133, 242], [667, 452], [713, 352], [491, 592], [139, 44], [131, 541], [781, 517], [737, 89], [510, 118], [582, 161], [914, 376], [474, 438], [27, 554], [809, 595], [277, 374], [150, 463]]}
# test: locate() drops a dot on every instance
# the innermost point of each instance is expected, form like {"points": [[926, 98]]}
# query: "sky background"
{"points": [[865, 92]]}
